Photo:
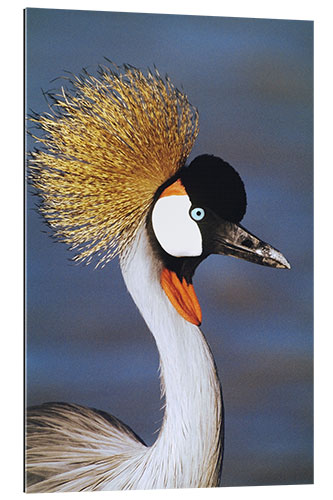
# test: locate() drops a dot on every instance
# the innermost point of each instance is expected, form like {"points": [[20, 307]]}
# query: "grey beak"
{"points": [[232, 239]]}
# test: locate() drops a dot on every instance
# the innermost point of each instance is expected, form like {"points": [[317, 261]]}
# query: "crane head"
{"points": [[112, 155], [198, 213]]}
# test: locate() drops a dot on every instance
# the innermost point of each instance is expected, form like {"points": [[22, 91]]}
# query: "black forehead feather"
{"points": [[211, 182]]}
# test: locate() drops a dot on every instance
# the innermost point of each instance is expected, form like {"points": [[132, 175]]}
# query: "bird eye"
{"points": [[197, 213]]}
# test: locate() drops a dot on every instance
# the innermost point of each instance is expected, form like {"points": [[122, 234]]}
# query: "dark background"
{"points": [[251, 80]]}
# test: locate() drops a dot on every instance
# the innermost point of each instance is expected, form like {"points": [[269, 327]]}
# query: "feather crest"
{"points": [[108, 143]]}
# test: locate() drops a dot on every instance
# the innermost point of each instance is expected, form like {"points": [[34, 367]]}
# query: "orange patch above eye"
{"points": [[176, 188], [182, 296]]}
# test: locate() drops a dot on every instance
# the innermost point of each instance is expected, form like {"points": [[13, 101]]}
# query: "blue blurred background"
{"points": [[252, 81]]}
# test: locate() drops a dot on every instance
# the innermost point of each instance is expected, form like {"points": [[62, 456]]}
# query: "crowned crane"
{"points": [[112, 179]]}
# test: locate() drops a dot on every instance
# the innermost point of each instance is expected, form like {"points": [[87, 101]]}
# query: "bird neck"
{"points": [[190, 440]]}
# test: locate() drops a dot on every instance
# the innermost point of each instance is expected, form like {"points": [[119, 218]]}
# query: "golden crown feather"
{"points": [[107, 144]]}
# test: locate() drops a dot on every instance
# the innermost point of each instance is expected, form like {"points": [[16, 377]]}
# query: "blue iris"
{"points": [[197, 213]]}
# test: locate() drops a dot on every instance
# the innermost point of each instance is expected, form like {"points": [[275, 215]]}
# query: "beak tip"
{"points": [[284, 263], [279, 259]]}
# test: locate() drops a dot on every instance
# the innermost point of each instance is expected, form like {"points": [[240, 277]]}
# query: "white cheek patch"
{"points": [[174, 229]]}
